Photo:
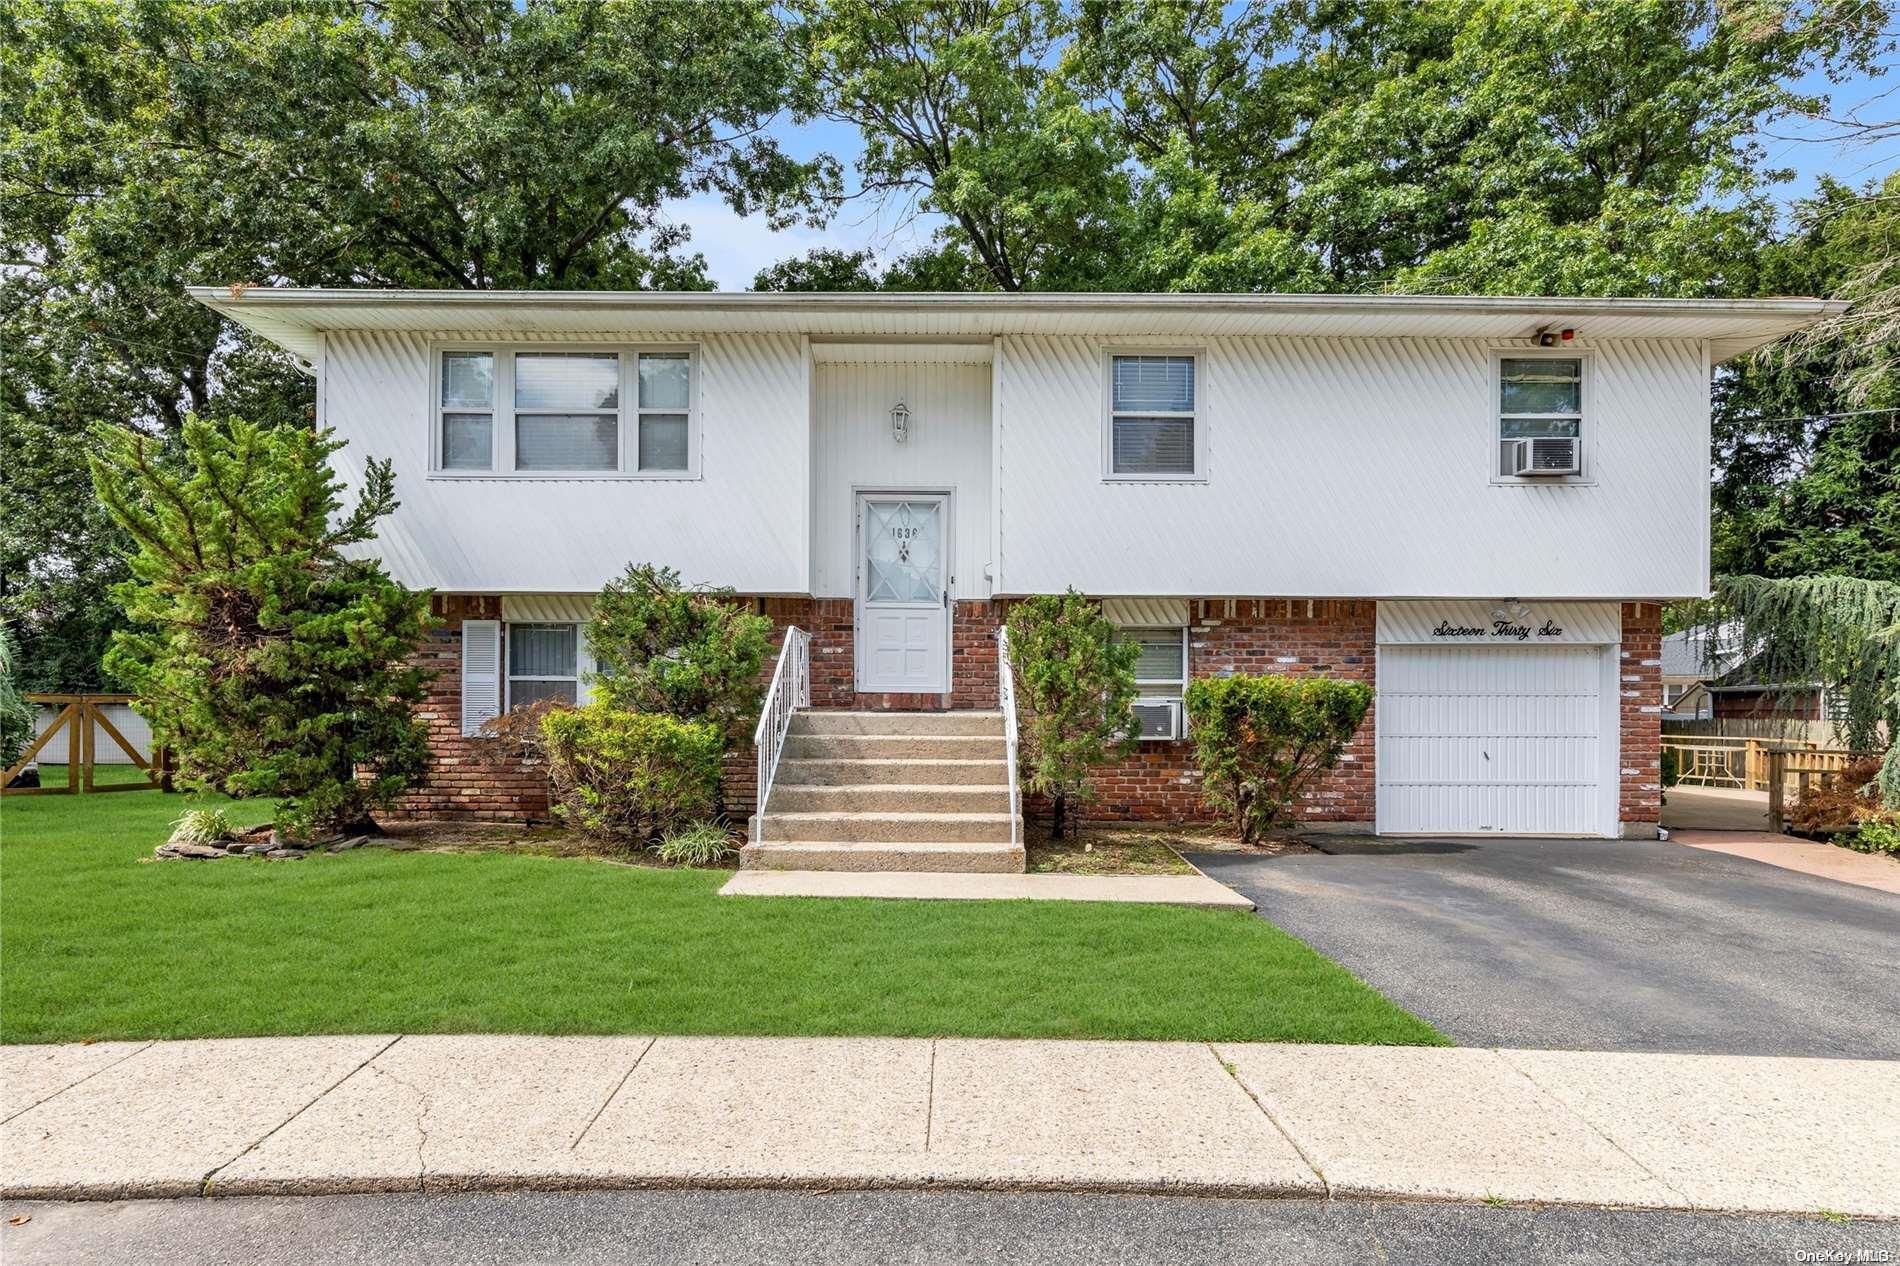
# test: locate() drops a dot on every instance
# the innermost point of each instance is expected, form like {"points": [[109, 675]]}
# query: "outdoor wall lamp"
{"points": [[900, 422]]}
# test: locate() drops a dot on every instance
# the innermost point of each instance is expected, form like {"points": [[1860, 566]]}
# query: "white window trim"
{"points": [[502, 450], [509, 677], [1199, 416], [1150, 689], [1494, 426]]}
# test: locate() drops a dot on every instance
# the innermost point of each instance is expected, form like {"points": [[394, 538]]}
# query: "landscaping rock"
{"points": [[344, 846], [256, 850], [281, 853], [393, 845], [180, 849]]}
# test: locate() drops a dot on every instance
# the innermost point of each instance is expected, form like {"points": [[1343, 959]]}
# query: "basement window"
{"points": [[543, 664]]}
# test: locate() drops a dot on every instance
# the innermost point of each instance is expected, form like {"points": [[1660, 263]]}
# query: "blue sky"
{"points": [[736, 248]]}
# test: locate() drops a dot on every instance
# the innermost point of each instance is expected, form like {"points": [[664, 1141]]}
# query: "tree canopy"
{"points": [[1600, 147]]}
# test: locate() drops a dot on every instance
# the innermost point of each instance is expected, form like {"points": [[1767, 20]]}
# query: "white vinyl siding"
{"points": [[481, 673], [1348, 467], [544, 663], [570, 413], [1539, 397], [1153, 432]]}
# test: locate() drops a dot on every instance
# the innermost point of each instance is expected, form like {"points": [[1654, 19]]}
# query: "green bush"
{"points": [[1876, 835], [701, 844], [1262, 741], [1671, 767], [1075, 685], [630, 777], [695, 654], [16, 715]]}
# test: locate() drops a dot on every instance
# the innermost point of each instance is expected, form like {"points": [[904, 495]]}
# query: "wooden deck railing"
{"points": [[83, 716], [1742, 763]]}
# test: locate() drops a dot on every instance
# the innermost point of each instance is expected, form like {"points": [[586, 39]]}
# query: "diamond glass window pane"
{"points": [[1163, 384], [1542, 385], [1154, 446], [665, 381], [567, 441], [468, 380], [1539, 428], [903, 549], [663, 441], [523, 693], [552, 380], [1161, 658], [468, 441], [541, 650]]}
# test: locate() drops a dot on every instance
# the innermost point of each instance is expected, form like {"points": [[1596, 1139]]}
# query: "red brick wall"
{"points": [[1292, 637], [1640, 679], [461, 785]]}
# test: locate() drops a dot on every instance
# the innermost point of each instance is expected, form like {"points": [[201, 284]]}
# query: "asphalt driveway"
{"points": [[1597, 944]]}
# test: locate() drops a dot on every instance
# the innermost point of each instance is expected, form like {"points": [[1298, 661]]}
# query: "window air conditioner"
{"points": [[1160, 719], [1547, 456]]}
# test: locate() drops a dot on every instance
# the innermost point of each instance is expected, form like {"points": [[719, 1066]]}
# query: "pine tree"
{"points": [[1840, 631], [1075, 678], [270, 661]]}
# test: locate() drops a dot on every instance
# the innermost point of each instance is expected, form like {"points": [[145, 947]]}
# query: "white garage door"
{"points": [[1492, 739]]}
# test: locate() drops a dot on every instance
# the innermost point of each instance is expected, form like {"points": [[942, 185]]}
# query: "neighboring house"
{"points": [[1475, 504], [1689, 667]]}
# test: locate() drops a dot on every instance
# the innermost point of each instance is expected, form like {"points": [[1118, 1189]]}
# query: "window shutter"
{"points": [[481, 673]]}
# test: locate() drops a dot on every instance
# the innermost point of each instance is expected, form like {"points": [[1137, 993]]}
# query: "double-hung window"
{"points": [[547, 413], [567, 411], [543, 664], [1153, 428], [1539, 397], [1160, 680]]}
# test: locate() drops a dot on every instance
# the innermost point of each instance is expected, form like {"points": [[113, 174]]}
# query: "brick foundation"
{"points": [[462, 785], [1158, 782], [1291, 637], [1639, 679]]}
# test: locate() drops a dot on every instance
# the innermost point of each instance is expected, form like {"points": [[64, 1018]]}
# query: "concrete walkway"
{"points": [[360, 1114], [1688, 808], [1173, 890], [1807, 857]]}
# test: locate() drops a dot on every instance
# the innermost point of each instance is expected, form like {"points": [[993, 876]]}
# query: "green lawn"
{"points": [[100, 942]]}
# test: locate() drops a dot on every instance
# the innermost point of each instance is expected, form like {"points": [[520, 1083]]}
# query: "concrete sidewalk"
{"points": [[361, 1114]]}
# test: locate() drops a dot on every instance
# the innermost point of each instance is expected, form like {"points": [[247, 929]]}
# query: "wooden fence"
{"points": [[1783, 770], [83, 717]]}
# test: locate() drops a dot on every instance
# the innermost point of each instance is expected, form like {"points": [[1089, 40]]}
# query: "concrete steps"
{"points": [[953, 856], [900, 791]]}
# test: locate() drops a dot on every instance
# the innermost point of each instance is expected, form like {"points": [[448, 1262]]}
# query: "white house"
{"points": [[1476, 504]]}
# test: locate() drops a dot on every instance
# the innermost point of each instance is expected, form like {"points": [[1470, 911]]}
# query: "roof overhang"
{"points": [[296, 319]]}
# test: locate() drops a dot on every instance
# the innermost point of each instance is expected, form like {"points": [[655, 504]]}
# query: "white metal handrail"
{"points": [[791, 690], [1006, 700]]}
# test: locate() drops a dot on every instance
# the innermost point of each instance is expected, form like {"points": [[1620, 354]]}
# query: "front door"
{"points": [[904, 593]]}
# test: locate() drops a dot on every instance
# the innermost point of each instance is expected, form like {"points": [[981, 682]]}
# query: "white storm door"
{"points": [[904, 593], [1484, 740]]}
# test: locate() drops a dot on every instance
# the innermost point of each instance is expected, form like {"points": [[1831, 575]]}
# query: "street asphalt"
{"points": [[896, 1227], [1595, 944]]}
